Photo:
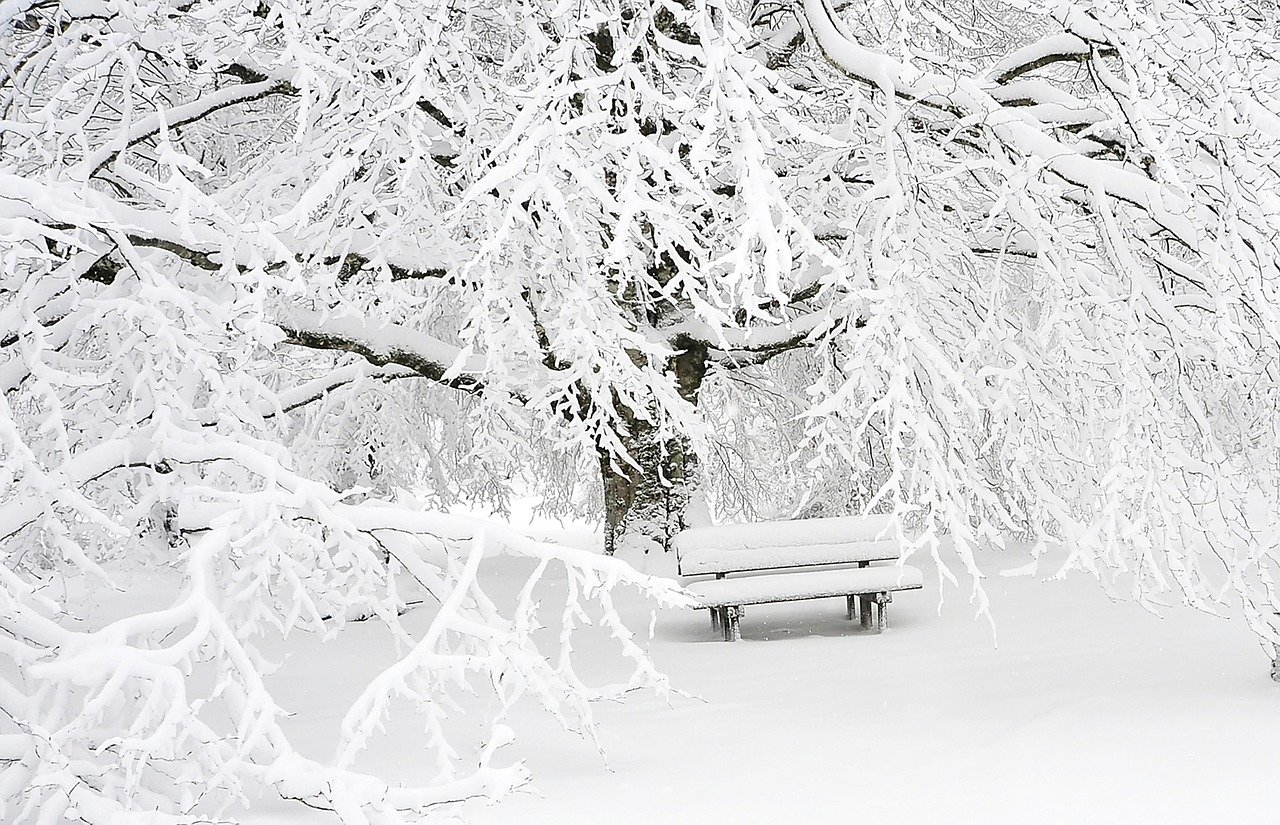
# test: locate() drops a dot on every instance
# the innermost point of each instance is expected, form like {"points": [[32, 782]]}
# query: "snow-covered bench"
{"points": [[802, 554]]}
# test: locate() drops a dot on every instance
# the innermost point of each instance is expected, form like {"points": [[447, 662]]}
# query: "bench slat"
{"points": [[718, 560], [813, 584], [790, 533]]}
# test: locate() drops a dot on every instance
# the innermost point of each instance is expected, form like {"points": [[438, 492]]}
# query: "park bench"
{"points": [[805, 559]]}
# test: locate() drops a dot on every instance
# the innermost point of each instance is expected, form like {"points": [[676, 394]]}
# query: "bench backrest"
{"points": [[777, 544]]}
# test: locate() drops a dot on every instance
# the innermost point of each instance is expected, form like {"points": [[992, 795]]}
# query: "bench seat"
{"points": [[815, 584]]}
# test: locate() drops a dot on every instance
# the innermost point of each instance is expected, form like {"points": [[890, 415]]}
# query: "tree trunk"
{"points": [[645, 504]]}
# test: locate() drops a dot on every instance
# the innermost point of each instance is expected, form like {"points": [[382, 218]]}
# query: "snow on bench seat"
{"points": [[813, 584], [784, 544]]}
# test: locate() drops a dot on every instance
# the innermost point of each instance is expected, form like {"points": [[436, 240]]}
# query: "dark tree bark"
{"points": [[645, 503]]}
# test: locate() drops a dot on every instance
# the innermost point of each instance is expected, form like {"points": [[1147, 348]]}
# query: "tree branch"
{"points": [[184, 114], [316, 389], [1056, 48], [1014, 131], [388, 344], [353, 263]]}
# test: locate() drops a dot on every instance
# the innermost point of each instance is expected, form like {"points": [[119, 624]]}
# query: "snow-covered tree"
{"points": [[992, 265]]}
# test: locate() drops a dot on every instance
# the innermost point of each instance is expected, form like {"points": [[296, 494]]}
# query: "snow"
{"points": [[783, 533], [1088, 711], [380, 338], [810, 584], [1016, 128], [719, 560], [769, 544], [1055, 46], [180, 115]]}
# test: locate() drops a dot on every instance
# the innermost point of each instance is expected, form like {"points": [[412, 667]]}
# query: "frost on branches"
{"points": [[989, 266]]}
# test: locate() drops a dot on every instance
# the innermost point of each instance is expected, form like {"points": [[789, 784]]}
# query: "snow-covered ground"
{"points": [[1087, 711]]}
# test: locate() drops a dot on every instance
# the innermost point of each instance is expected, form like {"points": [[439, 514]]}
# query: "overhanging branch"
{"points": [[187, 113], [1012, 130], [381, 345], [1054, 49], [388, 344]]}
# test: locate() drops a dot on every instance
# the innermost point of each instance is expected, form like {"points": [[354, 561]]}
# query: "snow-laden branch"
{"points": [[383, 344], [316, 389], [1013, 128], [304, 553], [182, 115], [1062, 47]]}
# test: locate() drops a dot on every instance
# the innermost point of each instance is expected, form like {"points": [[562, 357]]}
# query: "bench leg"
{"points": [[730, 623], [882, 610], [715, 618], [864, 609], [850, 607]]}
